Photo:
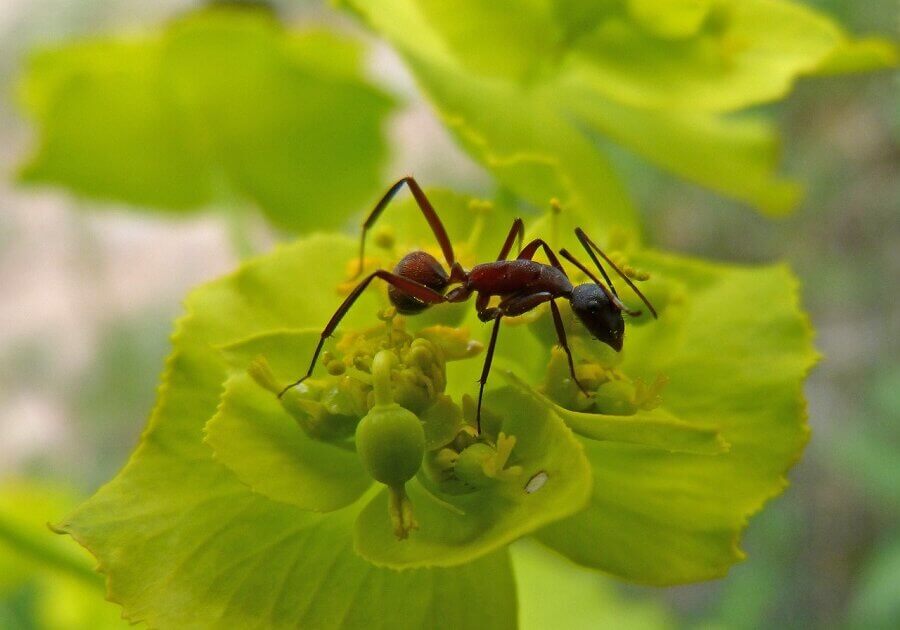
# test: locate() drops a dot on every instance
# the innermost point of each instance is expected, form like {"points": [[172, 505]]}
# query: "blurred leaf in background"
{"points": [[223, 106], [876, 604], [539, 91], [44, 581], [111, 400], [548, 584]]}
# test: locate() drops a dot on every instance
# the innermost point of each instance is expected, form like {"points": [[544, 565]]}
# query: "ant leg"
{"points": [[416, 290], [564, 344], [591, 247], [612, 297], [512, 306], [530, 250], [425, 206], [485, 314], [523, 302], [486, 370], [516, 233]]}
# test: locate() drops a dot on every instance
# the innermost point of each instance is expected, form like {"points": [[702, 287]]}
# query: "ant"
{"points": [[420, 281]]}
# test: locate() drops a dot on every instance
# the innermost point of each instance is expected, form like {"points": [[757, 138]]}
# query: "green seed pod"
{"points": [[660, 292], [615, 398], [391, 443], [335, 368]]}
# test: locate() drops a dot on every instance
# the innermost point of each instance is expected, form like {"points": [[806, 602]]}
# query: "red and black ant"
{"points": [[419, 281]]}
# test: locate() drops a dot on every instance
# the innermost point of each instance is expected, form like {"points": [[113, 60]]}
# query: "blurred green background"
{"points": [[89, 293]]}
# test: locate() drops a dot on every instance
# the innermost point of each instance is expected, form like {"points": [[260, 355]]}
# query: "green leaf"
{"points": [[183, 542], [675, 19], [26, 546], [517, 133], [871, 53], [155, 121], [519, 32], [527, 91], [656, 428], [737, 157], [263, 445], [548, 585], [874, 603], [67, 592], [105, 133], [663, 518], [454, 529], [750, 51]]}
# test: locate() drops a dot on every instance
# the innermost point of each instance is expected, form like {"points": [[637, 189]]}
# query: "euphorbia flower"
{"points": [[239, 508]]}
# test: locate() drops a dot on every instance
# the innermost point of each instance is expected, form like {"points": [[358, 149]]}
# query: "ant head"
{"points": [[600, 315]]}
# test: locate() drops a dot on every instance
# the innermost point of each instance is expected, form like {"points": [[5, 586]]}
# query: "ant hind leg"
{"points": [[428, 211], [486, 370]]}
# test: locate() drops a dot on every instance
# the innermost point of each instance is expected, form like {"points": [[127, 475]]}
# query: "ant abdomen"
{"points": [[420, 267]]}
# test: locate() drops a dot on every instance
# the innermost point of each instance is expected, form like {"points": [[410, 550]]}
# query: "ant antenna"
{"points": [[611, 296], [590, 247]]}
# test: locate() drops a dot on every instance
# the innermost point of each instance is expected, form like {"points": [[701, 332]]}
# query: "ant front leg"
{"points": [[564, 344], [428, 211], [416, 290], [522, 304]]}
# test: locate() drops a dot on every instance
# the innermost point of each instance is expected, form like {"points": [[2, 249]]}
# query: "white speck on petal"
{"points": [[536, 482]]}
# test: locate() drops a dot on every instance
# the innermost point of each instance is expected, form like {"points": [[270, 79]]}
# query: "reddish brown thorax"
{"points": [[507, 277]]}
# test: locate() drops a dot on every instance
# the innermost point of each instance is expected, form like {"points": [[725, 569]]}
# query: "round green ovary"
{"points": [[390, 442]]}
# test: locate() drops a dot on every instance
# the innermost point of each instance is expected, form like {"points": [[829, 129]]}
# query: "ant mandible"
{"points": [[419, 281]]}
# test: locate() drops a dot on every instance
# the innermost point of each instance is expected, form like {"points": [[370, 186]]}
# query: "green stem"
{"points": [[381, 377], [39, 550]]}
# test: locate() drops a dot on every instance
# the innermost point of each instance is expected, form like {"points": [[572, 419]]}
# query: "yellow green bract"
{"points": [[285, 528]]}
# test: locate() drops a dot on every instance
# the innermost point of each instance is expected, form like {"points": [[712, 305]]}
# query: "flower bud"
{"points": [[478, 465], [324, 412]]}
